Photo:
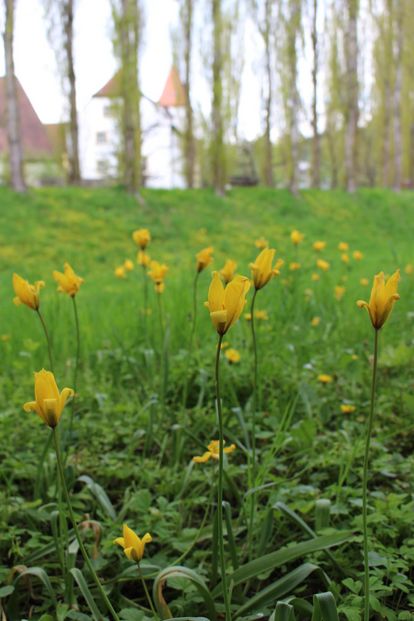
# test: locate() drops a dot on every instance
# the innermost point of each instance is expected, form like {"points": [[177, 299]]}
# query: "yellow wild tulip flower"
{"points": [[296, 237], [213, 452], [364, 282], [358, 256], [157, 274], [120, 272], [226, 304], [343, 246], [68, 282], [142, 238], [204, 258], [26, 293], [228, 270], [133, 546], [232, 355], [323, 265], [315, 321], [262, 269], [261, 243], [143, 258], [49, 402], [345, 257], [319, 245], [347, 408], [383, 295], [315, 277], [128, 265], [294, 266], [324, 378]]}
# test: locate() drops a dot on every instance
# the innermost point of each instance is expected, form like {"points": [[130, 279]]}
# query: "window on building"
{"points": [[108, 111], [101, 138], [102, 167]]}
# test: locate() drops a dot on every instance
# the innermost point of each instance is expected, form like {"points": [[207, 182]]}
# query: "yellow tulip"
{"points": [[49, 403], [315, 277], [26, 293], [134, 546], [383, 296], [343, 246], [296, 237], [323, 265], [347, 408], [232, 355], [315, 321], [262, 269], [294, 266], [261, 243], [213, 452], [325, 379], [68, 282], [128, 265], [120, 272], [364, 282], [227, 272], [345, 257], [204, 258], [157, 274], [319, 245], [226, 304], [143, 258], [357, 254], [339, 292], [142, 238]]}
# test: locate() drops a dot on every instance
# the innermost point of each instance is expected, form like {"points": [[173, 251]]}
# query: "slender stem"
{"points": [[149, 600], [192, 333], [145, 298], [255, 384], [161, 317], [49, 345], [75, 373], [220, 484], [365, 480], [76, 529]]}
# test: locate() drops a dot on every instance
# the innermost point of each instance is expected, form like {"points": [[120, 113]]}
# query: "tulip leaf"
{"points": [[324, 607], [40, 573], [84, 589], [283, 612], [181, 572], [100, 495]]}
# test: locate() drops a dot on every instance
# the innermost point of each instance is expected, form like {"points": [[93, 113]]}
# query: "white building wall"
{"points": [[99, 140]]}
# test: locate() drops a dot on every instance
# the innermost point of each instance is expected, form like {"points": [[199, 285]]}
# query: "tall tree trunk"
{"points": [[268, 167], [293, 99], [316, 147], [131, 118], [386, 45], [397, 97], [217, 151], [12, 106], [351, 113], [74, 167], [189, 146]]}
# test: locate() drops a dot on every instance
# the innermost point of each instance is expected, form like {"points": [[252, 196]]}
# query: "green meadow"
{"points": [[293, 530]]}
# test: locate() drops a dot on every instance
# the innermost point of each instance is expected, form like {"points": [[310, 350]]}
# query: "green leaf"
{"points": [[81, 582], [100, 495], [181, 572], [285, 555], [40, 573], [324, 607], [6, 590], [283, 612]]}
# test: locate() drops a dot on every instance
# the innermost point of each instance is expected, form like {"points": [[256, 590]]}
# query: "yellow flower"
{"points": [[261, 243], [347, 408], [133, 545], [343, 246], [315, 321], [364, 282], [339, 292], [143, 258], [128, 265], [323, 265], [319, 245], [120, 272], [68, 282], [226, 304], [409, 269], [49, 403], [5, 338], [315, 276], [228, 270], [357, 254], [204, 258], [345, 257], [296, 237], [325, 379], [232, 355], [142, 238], [213, 452], [261, 315], [383, 296], [294, 266], [262, 269], [157, 274], [26, 293], [224, 345]]}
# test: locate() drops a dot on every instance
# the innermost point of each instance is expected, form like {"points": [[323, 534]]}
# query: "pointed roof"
{"points": [[174, 94], [112, 88], [35, 140]]}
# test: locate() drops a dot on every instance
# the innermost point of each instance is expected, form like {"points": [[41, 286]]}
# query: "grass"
{"points": [[138, 453]]}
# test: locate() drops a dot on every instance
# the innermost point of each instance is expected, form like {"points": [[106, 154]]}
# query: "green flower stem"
{"points": [[77, 359], [220, 484], [365, 479], [145, 299], [49, 345], [255, 385], [192, 333], [75, 526], [149, 600]]}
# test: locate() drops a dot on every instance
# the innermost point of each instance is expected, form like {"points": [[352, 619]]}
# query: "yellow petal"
{"points": [[120, 541], [216, 294]]}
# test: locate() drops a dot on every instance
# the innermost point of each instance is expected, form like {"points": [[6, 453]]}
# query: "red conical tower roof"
{"points": [[174, 94]]}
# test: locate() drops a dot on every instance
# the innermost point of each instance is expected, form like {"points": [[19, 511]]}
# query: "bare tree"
{"points": [[217, 146], [351, 79], [316, 143], [399, 42], [12, 105], [186, 15]]}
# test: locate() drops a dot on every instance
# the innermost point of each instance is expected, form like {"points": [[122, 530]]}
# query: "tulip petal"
{"points": [[120, 541]]}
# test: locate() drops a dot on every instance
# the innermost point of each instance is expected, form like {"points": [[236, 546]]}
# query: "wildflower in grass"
{"points": [[347, 408], [232, 355], [213, 452], [228, 270], [315, 321], [294, 266], [26, 293], [143, 258], [261, 315], [128, 265], [224, 344], [383, 296], [68, 282], [345, 257], [261, 243], [226, 304], [323, 378], [262, 269], [315, 277], [204, 258], [296, 237], [319, 246], [364, 282], [409, 269], [323, 265], [339, 292], [157, 274], [49, 402], [343, 246], [5, 338], [133, 546], [358, 256], [142, 238], [120, 272]]}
